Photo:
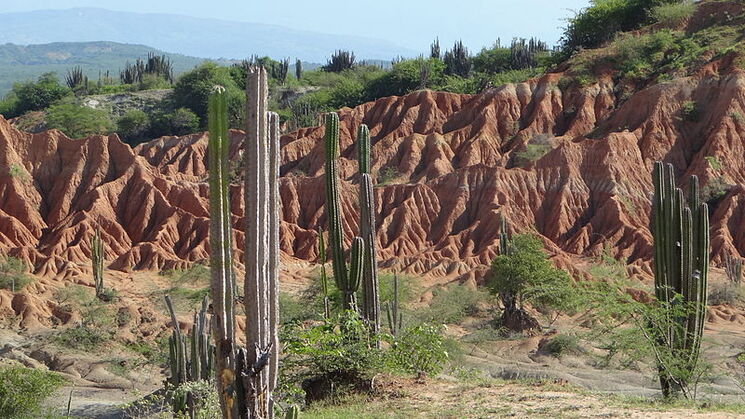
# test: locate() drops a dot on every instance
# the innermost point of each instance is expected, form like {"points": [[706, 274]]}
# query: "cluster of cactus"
{"points": [[189, 362], [76, 79], [681, 268], [157, 65], [363, 265], [458, 60], [246, 378], [97, 256], [395, 317], [340, 60], [733, 269]]}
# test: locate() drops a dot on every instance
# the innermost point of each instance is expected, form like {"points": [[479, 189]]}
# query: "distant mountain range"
{"points": [[210, 38], [26, 62]]}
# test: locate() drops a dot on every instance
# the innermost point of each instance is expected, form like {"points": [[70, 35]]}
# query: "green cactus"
{"points": [[97, 257], [395, 317], [348, 282], [221, 270], [681, 267], [371, 293], [193, 364], [324, 276]]}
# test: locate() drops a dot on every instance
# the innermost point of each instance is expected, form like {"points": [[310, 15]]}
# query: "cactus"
{"points": [[221, 268], [681, 266], [298, 69], [504, 236], [347, 281], [193, 365], [258, 365], [371, 302], [324, 276], [97, 257], [395, 317], [733, 269]]}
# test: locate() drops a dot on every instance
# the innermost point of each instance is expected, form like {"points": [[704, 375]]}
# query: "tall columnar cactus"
{"points": [[97, 257], [371, 303], [261, 161], [733, 269], [681, 268], [395, 317], [221, 268], [193, 364], [324, 275], [347, 281]]}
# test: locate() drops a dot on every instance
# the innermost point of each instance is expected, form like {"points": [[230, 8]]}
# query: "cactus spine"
{"points": [[324, 276], [260, 362], [395, 317], [347, 281], [681, 267], [733, 269], [371, 303], [97, 257], [221, 269]]}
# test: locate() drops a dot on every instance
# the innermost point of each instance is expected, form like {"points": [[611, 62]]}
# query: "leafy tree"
{"points": [[182, 121], [525, 275], [34, 96], [133, 126], [193, 89], [405, 77], [78, 121]]}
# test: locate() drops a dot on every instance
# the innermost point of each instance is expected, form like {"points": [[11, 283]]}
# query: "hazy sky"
{"points": [[409, 23]]}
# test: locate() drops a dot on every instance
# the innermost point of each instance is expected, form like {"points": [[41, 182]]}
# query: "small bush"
{"points": [[78, 121], [388, 175], [133, 126], [714, 163], [83, 337], [23, 389], [420, 349], [672, 15], [727, 293], [536, 148], [13, 274], [689, 111], [561, 345]]}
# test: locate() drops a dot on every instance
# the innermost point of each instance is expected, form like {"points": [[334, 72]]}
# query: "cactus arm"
{"points": [[363, 149], [324, 276], [273, 203], [355, 273]]}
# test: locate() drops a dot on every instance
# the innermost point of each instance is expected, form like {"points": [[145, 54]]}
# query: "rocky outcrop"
{"points": [[451, 165]]}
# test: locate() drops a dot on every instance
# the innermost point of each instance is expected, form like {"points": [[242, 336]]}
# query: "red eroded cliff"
{"points": [[452, 162]]}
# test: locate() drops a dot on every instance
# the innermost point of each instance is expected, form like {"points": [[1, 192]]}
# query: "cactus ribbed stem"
{"points": [[363, 149], [371, 304], [681, 266], [262, 249], [221, 268], [97, 256], [395, 317], [333, 206], [324, 275]]}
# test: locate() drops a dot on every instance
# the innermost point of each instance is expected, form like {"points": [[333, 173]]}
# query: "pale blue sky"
{"points": [[410, 23]]}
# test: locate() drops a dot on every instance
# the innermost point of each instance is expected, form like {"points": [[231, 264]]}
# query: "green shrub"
{"points": [[727, 293], [23, 389], [673, 14], [78, 121], [330, 359], [84, 337], [714, 162], [13, 274], [388, 175], [182, 121], [133, 126], [689, 111], [34, 95], [537, 147], [562, 344], [193, 88], [420, 349]]}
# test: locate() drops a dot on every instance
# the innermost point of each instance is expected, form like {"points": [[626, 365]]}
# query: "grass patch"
{"points": [[452, 304], [563, 344], [23, 389], [673, 14], [13, 274], [99, 320], [388, 175]]}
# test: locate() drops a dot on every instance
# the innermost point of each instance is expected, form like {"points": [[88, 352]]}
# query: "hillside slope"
{"points": [[27, 62], [199, 37]]}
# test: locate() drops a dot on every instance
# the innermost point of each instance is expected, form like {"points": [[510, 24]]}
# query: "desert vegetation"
{"points": [[291, 286]]}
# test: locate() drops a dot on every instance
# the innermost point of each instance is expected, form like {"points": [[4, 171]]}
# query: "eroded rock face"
{"points": [[453, 164]]}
